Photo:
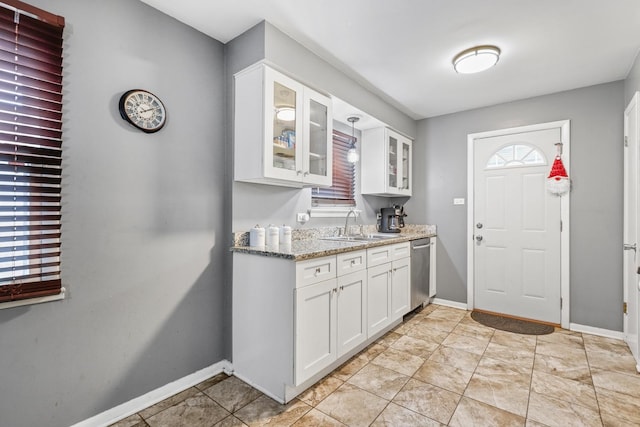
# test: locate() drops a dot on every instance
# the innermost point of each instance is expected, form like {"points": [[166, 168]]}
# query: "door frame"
{"points": [[565, 138], [625, 285]]}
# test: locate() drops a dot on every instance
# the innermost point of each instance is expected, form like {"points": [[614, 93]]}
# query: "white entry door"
{"points": [[631, 231], [517, 226]]}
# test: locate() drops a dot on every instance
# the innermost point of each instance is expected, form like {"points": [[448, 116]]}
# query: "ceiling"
{"points": [[404, 48]]}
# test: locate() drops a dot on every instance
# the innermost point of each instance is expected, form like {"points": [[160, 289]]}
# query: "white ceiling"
{"points": [[404, 48]]}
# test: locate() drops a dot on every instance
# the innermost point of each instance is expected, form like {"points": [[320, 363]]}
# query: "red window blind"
{"points": [[30, 151], [342, 190]]}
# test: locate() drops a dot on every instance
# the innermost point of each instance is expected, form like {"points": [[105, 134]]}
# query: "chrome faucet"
{"points": [[346, 221]]}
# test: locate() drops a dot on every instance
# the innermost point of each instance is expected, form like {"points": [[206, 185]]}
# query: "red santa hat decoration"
{"points": [[558, 181]]}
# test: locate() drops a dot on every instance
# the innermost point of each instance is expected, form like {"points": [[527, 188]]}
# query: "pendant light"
{"points": [[476, 59], [352, 154]]}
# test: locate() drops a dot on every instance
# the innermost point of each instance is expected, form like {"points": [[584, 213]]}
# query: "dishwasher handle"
{"points": [[421, 246]]}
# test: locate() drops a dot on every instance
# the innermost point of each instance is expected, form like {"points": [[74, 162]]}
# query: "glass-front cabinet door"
{"points": [[298, 123], [398, 163], [318, 157], [283, 121], [283, 130], [386, 163], [392, 162], [405, 161]]}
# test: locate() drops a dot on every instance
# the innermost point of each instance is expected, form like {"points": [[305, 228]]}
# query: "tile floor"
{"points": [[438, 368]]}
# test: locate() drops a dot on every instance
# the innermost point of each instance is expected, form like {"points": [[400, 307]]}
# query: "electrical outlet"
{"points": [[302, 217], [459, 201]]}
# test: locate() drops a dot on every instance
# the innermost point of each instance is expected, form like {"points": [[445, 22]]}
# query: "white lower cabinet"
{"points": [[388, 283], [316, 313], [352, 311], [295, 321], [388, 294], [400, 288], [378, 298], [330, 321]]}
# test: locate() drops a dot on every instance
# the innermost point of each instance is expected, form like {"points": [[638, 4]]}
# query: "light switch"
{"points": [[459, 201]]}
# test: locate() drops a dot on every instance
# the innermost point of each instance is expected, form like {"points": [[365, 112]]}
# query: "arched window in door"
{"points": [[516, 155]]}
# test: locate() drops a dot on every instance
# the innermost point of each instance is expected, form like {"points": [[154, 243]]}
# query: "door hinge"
{"points": [[561, 226], [560, 303], [624, 307], [626, 141]]}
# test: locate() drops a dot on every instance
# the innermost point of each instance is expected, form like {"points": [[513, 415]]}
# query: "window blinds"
{"points": [[342, 191], [30, 153]]}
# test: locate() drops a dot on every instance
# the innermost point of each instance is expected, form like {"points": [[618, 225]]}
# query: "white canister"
{"points": [[285, 235], [273, 237], [256, 236]]}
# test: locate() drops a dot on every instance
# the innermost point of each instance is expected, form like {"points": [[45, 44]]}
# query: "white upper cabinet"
{"points": [[386, 163], [283, 130]]}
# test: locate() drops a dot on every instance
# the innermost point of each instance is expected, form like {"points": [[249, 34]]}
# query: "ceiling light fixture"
{"points": [[476, 59], [352, 154], [286, 114]]}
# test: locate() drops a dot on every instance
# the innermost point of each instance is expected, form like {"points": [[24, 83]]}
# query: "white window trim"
{"points": [[332, 212], [31, 301]]}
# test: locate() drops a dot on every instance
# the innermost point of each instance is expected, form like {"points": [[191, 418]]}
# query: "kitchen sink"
{"points": [[360, 238]]}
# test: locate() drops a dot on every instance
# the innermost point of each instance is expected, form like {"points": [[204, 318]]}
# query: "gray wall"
{"points": [[632, 83], [596, 199], [280, 204], [143, 239]]}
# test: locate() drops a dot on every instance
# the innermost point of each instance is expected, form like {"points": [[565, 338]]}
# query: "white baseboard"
{"points": [[126, 409], [452, 304], [596, 331]]}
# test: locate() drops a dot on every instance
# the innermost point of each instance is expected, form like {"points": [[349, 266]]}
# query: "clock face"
{"points": [[143, 110]]}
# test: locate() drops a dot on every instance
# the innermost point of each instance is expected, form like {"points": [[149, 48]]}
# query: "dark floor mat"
{"points": [[511, 325]]}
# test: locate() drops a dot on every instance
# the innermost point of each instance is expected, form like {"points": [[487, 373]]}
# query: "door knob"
{"points": [[479, 225], [478, 239]]}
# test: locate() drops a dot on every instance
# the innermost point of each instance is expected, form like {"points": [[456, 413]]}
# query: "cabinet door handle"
{"points": [[298, 172], [317, 271], [305, 174]]}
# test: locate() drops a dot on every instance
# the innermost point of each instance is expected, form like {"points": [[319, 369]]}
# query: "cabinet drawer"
{"points": [[400, 250], [350, 262], [315, 270], [379, 255]]}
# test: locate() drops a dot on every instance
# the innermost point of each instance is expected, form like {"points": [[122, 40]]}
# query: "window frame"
{"points": [[516, 161], [31, 83], [321, 200]]}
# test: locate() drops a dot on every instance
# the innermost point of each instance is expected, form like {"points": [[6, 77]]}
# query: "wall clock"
{"points": [[143, 110]]}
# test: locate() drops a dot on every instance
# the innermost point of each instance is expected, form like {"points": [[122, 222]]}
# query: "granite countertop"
{"points": [[309, 244]]}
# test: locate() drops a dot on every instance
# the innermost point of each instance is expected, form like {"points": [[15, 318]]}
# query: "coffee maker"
{"points": [[391, 220]]}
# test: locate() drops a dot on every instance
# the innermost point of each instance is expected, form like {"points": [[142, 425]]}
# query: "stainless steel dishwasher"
{"points": [[420, 258]]}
